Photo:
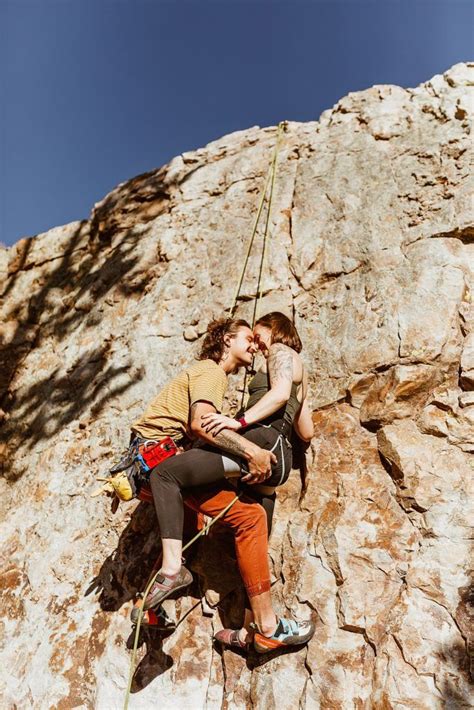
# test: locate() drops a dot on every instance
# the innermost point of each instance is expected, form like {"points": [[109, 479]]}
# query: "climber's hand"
{"points": [[213, 423], [260, 466]]}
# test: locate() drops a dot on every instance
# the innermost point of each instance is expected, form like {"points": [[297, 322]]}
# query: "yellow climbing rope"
{"points": [[271, 175], [270, 180]]}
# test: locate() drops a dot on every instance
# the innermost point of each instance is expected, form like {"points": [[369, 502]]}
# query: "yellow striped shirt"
{"points": [[168, 413]]}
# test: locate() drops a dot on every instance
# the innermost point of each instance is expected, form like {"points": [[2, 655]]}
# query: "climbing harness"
{"points": [[270, 181], [130, 477]]}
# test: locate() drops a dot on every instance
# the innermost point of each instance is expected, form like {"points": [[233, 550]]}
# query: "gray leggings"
{"points": [[205, 465]]}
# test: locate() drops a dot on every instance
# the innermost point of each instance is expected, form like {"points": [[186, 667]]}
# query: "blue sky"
{"points": [[94, 92]]}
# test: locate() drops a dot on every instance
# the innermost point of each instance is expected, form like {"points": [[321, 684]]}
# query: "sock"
{"points": [[243, 635], [278, 630]]}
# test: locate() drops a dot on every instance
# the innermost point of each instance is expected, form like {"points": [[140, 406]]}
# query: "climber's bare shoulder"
{"points": [[284, 363]]}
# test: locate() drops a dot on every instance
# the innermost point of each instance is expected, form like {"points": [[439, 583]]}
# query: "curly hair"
{"points": [[282, 328], [213, 344]]}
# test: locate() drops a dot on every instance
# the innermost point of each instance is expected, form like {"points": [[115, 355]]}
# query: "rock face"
{"points": [[372, 251]]}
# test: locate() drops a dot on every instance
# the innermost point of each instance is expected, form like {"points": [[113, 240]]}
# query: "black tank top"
{"points": [[284, 417]]}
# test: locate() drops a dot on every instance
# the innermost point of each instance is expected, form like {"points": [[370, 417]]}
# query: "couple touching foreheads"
{"points": [[251, 453]]}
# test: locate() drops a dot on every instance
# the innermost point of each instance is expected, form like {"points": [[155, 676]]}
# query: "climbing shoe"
{"points": [[163, 586], [230, 637], [157, 618], [287, 633]]}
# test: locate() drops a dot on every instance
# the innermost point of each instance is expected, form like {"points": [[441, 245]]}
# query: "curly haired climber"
{"points": [[262, 454]]}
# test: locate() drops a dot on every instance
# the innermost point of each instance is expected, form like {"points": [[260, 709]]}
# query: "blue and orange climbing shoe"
{"points": [[287, 633]]}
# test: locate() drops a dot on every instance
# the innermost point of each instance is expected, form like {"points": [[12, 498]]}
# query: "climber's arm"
{"points": [[228, 440], [280, 372], [303, 424], [259, 460]]}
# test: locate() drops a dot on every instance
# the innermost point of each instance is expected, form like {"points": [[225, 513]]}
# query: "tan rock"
{"points": [[467, 363], [398, 393], [371, 251]]}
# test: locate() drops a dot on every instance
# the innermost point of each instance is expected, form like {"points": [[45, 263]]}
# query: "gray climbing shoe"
{"points": [[163, 586]]}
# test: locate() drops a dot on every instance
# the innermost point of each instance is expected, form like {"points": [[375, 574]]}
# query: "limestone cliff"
{"points": [[372, 251]]}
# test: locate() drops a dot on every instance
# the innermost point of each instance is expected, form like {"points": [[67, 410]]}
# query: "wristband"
{"points": [[242, 422]]}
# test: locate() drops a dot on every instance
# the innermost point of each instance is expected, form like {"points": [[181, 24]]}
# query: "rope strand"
{"points": [[259, 290], [265, 233], [254, 231], [270, 180], [149, 586]]}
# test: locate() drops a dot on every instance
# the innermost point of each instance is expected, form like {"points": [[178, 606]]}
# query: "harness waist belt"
{"points": [[281, 425]]}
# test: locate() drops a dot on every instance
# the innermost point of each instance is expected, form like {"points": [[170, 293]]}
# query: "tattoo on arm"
{"points": [[226, 439], [230, 441], [280, 363]]}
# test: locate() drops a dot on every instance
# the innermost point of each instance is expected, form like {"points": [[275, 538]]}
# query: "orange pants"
{"points": [[248, 521]]}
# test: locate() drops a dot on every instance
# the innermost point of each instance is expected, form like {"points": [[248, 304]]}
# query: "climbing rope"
{"points": [[271, 175], [282, 126], [149, 586], [251, 240], [270, 180]]}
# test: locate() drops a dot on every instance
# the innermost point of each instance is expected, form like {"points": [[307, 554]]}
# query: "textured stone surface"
{"points": [[372, 251]]}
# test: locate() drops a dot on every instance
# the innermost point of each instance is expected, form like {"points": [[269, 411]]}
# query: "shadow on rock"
{"points": [[61, 304], [453, 694], [53, 402], [125, 571], [155, 661], [96, 269]]}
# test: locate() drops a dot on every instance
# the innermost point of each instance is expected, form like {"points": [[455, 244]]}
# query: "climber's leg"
{"points": [[248, 521], [195, 467]]}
